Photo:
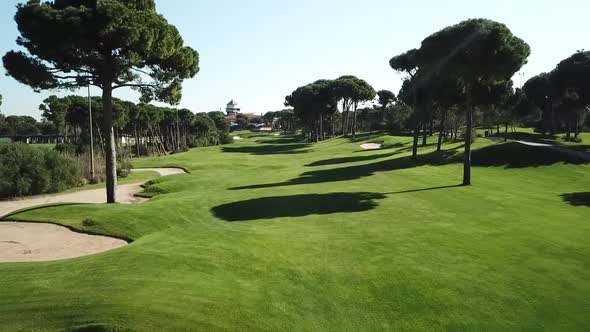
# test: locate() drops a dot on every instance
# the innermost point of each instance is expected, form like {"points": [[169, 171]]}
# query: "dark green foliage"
{"points": [[29, 171], [243, 123], [88, 223], [221, 123], [480, 55], [108, 44], [563, 95], [385, 98], [123, 168]]}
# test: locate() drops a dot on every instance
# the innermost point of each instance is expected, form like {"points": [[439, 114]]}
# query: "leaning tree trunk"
{"points": [[467, 156], [110, 148]]}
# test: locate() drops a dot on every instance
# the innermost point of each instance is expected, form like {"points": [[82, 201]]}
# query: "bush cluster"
{"points": [[25, 170]]}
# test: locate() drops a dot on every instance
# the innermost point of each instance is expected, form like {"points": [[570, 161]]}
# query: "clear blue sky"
{"points": [[259, 51]]}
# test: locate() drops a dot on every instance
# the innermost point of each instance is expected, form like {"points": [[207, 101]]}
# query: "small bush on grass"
{"points": [[123, 168], [227, 140], [88, 223]]}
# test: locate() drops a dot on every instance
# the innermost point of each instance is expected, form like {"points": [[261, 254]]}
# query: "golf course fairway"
{"points": [[270, 233]]}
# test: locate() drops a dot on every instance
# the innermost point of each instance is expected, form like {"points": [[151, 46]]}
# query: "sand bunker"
{"points": [[372, 146], [35, 242], [162, 171], [237, 138], [32, 242], [125, 195]]}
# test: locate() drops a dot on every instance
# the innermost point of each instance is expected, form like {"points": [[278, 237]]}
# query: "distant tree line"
{"points": [[562, 96], [316, 106], [139, 129]]}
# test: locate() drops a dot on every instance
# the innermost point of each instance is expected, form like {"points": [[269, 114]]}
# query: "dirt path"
{"points": [[125, 194], [38, 242]]}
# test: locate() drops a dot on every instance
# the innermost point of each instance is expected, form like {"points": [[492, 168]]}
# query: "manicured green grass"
{"points": [[133, 177], [273, 234]]}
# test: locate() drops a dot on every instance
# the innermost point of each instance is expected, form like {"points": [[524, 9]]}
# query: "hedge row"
{"points": [[25, 170]]}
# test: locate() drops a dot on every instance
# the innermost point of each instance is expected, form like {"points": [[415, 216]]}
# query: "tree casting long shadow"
{"points": [[508, 155], [577, 199], [267, 149], [296, 206]]}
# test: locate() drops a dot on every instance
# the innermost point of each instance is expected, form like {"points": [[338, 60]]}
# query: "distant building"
{"points": [[232, 108], [249, 116]]}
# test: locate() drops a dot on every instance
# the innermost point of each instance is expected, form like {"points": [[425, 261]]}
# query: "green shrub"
{"points": [[64, 171], [578, 139], [88, 223], [28, 171], [123, 167], [227, 140]]}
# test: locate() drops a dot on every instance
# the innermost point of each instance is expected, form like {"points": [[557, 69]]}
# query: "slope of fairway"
{"points": [[273, 234]]}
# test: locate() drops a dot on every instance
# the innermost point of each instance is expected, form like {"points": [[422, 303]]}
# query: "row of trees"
{"points": [[283, 119], [15, 125], [456, 73], [139, 129], [562, 95], [316, 105]]}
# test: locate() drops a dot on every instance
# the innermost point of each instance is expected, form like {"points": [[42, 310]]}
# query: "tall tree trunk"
{"points": [[467, 156], [431, 125], [506, 133], [344, 117], [322, 127], [110, 148], [138, 140], [552, 119], [441, 130], [424, 135], [415, 144], [568, 130], [333, 126], [354, 121]]}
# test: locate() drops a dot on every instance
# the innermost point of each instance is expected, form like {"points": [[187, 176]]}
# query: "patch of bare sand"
{"points": [[372, 146], [163, 171], [33, 242]]}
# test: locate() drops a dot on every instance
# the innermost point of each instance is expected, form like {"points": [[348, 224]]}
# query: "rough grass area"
{"points": [[271, 233]]}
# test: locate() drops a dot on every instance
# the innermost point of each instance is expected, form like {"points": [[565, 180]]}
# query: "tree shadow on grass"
{"points": [[296, 206], [508, 155], [577, 199], [424, 189], [283, 140], [359, 171], [344, 160], [267, 149], [516, 155]]}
